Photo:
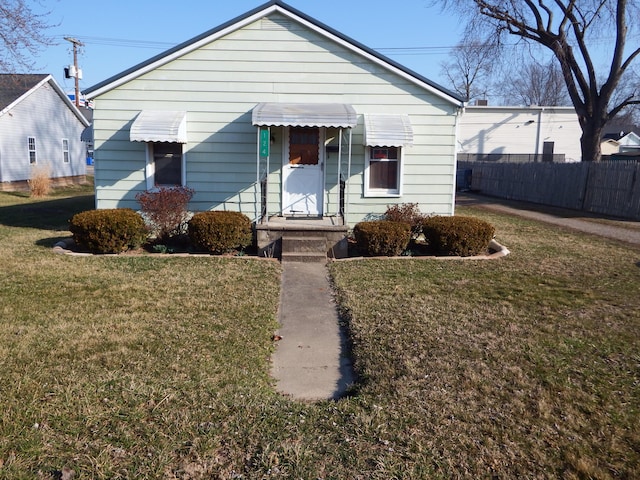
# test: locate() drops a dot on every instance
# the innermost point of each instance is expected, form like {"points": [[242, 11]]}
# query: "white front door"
{"points": [[302, 171]]}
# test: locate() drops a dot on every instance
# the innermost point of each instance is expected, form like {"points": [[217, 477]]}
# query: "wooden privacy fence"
{"points": [[608, 188]]}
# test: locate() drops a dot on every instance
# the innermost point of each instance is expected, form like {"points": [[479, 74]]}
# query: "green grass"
{"points": [[158, 367]]}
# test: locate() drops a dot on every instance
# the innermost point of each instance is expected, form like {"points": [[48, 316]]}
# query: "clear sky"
{"points": [[119, 34]]}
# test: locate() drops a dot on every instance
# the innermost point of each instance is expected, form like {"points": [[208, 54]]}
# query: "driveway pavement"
{"points": [[623, 230]]}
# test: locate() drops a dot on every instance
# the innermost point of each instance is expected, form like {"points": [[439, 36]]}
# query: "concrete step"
{"points": [[300, 243], [304, 257], [304, 248]]}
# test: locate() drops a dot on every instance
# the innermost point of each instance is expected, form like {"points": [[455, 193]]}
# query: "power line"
{"points": [[123, 42], [414, 50]]}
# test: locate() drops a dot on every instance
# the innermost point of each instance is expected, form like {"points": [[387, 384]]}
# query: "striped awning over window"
{"points": [[387, 130], [339, 115], [159, 126]]}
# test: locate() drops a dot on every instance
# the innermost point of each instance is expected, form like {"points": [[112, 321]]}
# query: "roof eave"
{"points": [[19, 99], [72, 106]]}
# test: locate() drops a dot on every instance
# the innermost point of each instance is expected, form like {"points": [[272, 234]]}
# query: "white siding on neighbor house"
{"points": [[45, 116], [220, 83], [520, 130]]}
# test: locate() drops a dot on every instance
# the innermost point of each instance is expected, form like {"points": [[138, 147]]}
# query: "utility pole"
{"points": [[76, 43]]}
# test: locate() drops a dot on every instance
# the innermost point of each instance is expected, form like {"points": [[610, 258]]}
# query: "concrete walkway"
{"points": [[623, 230], [311, 359]]}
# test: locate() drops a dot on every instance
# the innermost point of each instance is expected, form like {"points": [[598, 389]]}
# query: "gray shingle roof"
{"points": [[13, 86]]}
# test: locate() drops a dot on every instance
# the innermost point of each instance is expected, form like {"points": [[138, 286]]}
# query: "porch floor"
{"points": [[294, 221]]}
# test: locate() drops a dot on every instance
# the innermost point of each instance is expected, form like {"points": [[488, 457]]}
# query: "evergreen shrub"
{"points": [[457, 235], [220, 232], [382, 237], [108, 231]]}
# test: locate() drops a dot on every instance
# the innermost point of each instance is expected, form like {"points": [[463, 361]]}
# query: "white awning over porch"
{"points": [[339, 115], [159, 126], [387, 130]]}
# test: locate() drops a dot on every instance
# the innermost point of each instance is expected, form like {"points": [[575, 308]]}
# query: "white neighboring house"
{"points": [[519, 134], [39, 127], [623, 142]]}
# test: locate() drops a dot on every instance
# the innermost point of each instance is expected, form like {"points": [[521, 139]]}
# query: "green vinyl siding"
{"points": [[220, 83]]}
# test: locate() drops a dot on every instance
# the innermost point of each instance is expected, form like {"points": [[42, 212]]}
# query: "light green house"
{"points": [[277, 115]]}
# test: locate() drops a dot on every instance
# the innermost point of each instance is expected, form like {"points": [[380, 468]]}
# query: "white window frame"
{"points": [[383, 192], [65, 151], [150, 168], [32, 152]]}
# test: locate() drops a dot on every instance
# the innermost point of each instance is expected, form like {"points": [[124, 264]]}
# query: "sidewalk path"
{"points": [[311, 360], [624, 230]]}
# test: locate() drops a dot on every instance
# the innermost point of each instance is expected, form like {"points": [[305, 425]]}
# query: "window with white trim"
{"points": [[65, 150], [167, 165], [33, 159], [383, 171]]}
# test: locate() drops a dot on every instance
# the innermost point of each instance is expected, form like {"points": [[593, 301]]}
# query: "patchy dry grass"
{"points": [[524, 367], [147, 367]]}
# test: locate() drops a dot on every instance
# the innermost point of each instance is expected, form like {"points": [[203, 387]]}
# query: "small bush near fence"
{"points": [[108, 231], [220, 232], [458, 235], [382, 237], [165, 209]]}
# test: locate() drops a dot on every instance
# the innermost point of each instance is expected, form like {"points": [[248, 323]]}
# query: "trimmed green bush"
{"points": [[457, 235], [108, 231], [382, 238], [220, 232]]}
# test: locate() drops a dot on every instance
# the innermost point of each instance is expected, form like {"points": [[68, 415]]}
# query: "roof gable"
{"points": [[16, 87], [252, 16], [630, 138]]}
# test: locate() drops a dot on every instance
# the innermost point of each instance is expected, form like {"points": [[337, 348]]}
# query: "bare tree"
{"points": [[535, 84], [569, 29], [22, 34], [470, 68]]}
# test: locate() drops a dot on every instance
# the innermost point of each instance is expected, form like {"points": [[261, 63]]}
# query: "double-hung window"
{"points": [[167, 164], [165, 134], [386, 136], [65, 150], [33, 159], [383, 170]]}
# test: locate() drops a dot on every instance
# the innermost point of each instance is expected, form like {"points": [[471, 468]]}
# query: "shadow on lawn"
{"points": [[47, 214]]}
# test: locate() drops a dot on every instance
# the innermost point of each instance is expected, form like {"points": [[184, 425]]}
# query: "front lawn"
{"points": [[158, 367]]}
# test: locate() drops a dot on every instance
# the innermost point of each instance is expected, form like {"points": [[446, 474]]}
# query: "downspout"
{"points": [[539, 131], [456, 133]]}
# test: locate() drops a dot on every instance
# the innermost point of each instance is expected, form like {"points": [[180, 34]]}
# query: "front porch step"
{"points": [[304, 248], [304, 257], [330, 238]]}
